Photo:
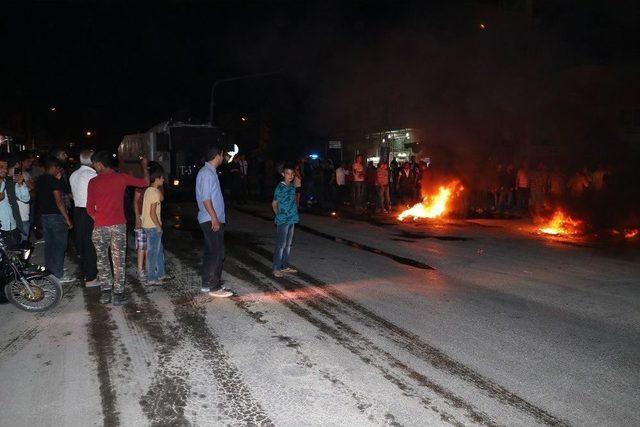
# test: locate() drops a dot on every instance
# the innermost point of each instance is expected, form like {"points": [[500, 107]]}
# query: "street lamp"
{"points": [[88, 133], [52, 109]]}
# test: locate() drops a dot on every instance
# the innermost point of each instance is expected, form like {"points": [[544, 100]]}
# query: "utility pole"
{"points": [[232, 79]]}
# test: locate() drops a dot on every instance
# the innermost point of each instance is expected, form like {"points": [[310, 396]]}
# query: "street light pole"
{"points": [[231, 79]]}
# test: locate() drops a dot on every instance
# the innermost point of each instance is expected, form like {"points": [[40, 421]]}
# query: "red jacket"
{"points": [[105, 197]]}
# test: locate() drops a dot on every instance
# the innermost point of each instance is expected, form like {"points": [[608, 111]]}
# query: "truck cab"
{"points": [[177, 146]]}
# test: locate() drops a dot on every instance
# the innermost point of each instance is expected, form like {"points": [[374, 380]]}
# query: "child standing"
{"points": [[152, 226], [286, 209], [141, 239]]}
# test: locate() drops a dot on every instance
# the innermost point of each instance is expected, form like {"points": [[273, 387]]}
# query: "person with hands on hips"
{"points": [[211, 217]]}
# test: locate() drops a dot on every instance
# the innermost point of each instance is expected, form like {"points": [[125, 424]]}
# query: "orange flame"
{"points": [[433, 206], [630, 234], [561, 224]]}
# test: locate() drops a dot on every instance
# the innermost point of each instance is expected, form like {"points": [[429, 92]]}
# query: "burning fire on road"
{"points": [[434, 205], [627, 233], [562, 224]]}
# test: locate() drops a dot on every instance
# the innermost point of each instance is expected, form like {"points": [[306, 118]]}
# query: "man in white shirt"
{"points": [[25, 208], [79, 181], [340, 182]]}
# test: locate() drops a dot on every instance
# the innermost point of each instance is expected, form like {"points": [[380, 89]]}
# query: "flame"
{"points": [[433, 206], [630, 234], [561, 224]]}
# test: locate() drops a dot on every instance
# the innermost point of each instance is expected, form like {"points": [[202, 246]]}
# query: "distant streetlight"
{"points": [[52, 109], [482, 26], [88, 133], [244, 119]]}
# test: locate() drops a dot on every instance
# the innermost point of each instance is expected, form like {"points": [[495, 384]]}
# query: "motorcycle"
{"points": [[29, 287]]}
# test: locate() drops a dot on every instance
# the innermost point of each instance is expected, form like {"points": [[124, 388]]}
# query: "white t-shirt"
{"points": [[340, 176], [79, 181], [22, 206]]}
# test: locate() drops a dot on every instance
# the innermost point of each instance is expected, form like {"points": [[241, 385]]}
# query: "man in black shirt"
{"points": [[55, 219]]}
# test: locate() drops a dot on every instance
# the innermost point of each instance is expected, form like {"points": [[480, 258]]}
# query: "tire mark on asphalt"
{"points": [[417, 347], [166, 399], [21, 339], [102, 345], [303, 360], [244, 273], [16, 343], [397, 258], [240, 405]]}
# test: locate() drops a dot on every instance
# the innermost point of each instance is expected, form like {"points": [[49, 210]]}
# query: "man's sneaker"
{"points": [[289, 270], [221, 293], [119, 299], [204, 289], [154, 283], [92, 283], [278, 273], [141, 276], [105, 297], [165, 278], [67, 279]]}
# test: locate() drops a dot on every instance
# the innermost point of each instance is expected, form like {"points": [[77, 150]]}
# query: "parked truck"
{"points": [[177, 146]]}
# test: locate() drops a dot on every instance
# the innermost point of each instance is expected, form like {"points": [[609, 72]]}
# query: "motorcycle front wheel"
{"points": [[46, 293]]}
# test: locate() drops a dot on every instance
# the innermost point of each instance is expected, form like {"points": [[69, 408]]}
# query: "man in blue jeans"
{"points": [[286, 210], [211, 217], [55, 219], [152, 226]]}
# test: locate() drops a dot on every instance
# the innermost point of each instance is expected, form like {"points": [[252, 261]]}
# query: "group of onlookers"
{"points": [[535, 189], [364, 187], [46, 199]]}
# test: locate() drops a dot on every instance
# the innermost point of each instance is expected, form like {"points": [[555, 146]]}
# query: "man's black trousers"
{"points": [[213, 256], [83, 225]]}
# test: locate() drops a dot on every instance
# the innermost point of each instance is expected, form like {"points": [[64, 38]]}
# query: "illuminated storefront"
{"points": [[400, 144]]}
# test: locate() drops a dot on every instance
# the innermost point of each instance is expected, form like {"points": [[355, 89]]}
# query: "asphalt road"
{"points": [[455, 322]]}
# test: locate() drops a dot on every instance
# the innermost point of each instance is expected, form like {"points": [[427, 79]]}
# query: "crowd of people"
{"points": [[364, 187], [325, 184], [536, 189], [45, 199]]}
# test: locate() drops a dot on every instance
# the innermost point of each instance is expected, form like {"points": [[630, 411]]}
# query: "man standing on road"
{"points": [[105, 205], [26, 208], [12, 190], [211, 218], [55, 218], [79, 181], [63, 158], [358, 183]]}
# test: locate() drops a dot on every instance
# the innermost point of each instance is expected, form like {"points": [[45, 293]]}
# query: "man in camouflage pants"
{"points": [[105, 204], [114, 238]]}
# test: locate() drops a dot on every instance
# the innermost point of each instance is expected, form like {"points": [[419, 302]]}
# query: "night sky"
{"points": [[117, 68]]}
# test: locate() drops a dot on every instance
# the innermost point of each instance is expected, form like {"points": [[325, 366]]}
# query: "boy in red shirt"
{"points": [[105, 205]]}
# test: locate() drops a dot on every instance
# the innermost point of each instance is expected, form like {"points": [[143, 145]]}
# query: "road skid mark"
{"points": [[358, 345], [404, 339]]}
